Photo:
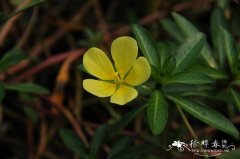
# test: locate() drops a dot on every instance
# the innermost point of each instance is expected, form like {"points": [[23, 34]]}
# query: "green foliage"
{"points": [[27, 88], [218, 20], [169, 65], [184, 66], [171, 27], [231, 154], [31, 113], [98, 138], [189, 51], [230, 49], [157, 112], [124, 121], [184, 25], [188, 29], [93, 38], [165, 50], [2, 91], [147, 45], [235, 97], [189, 77], [131, 152], [32, 4], [11, 58], [72, 141], [119, 146], [207, 115], [16, 2], [1, 16], [211, 72]]}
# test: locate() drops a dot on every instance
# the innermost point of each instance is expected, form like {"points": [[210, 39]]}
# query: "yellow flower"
{"points": [[117, 81]]}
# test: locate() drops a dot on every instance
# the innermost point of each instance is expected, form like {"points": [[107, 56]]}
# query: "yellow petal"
{"points": [[140, 72], [124, 95], [124, 52], [96, 62], [99, 88]]}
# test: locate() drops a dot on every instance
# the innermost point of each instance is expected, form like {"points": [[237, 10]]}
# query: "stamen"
{"points": [[118, 78]]}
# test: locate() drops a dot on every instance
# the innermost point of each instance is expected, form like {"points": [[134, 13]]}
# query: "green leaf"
{"points": [[147, 45], [33, 3], [222, 3], [230, 155], [188, 52], [230, 49], [11, 58], [16, 2], [157, 112], [124, 121], [235, 22], [99, 137], [235, 83], [72, 141], [171, 27], [236, 98], [189, 78], [212, 72], [188, 29], [207, 115], [132, 152], [165, 50], [119, 146], [31, 113], [218, 19], [2, 91], [185, 26], [1, 16], [169, 65], [27, 88]]}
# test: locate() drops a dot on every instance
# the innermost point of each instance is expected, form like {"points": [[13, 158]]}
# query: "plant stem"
{"points": [[188, 125]]}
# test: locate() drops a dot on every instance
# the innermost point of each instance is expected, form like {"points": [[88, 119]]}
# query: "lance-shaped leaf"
{"points": [[124, 121], [230, 49], [132, 152], [27, 88], [72, 141], [189, 78], [218, 19], [171, 27], [207, 115], [98, 138], [11, 58], [119, 146], [189, 51], [157, 112], [28, 6], [231, 154], [147, 45], [2, 91], [236, 98], [189, 29], [165, 50], [169, 65], [211, 72]]}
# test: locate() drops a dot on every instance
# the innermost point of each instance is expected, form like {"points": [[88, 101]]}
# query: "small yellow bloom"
{"points": [[117, 81]]}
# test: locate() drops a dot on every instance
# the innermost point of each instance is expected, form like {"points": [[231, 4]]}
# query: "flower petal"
{"points": [[96, 62], [140, 72], [124, 95], [124, 52], [99, 88]]}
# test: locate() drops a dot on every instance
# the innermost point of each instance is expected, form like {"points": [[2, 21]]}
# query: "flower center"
{"points": [[118, 77]]}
